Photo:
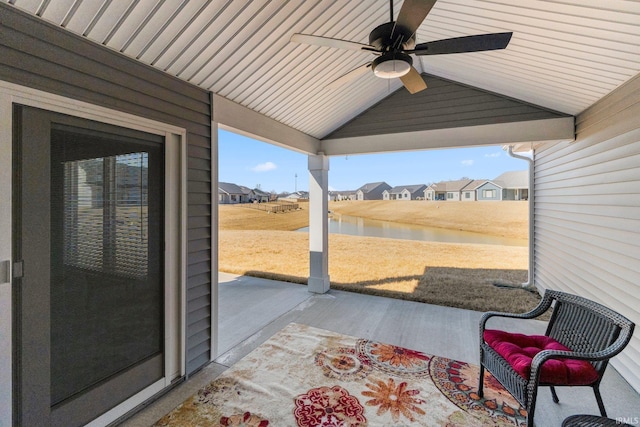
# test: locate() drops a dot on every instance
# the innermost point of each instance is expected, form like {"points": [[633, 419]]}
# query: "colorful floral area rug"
{"points": [[305, 377]]}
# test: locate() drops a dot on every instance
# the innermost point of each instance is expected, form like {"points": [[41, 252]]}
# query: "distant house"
{"points": [[257, 195], [230, 193], [514, 185], [446, 190], [337, 196], [470, 191], [372, 191], [295, 196], [508, 186], [489, 191], [404, 192], [430, 192], [246, 194]]}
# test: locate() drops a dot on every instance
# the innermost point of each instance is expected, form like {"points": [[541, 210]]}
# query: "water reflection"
{"points": [[357, 226]]}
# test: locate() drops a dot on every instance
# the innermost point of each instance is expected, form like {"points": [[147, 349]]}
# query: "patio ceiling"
{"points": [[564, 55]]}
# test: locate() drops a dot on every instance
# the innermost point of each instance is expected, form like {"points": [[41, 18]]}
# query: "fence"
{"points": [[279, 207]]}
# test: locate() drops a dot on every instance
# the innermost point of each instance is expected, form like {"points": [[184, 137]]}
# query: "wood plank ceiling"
{"points": [[564, 54]]}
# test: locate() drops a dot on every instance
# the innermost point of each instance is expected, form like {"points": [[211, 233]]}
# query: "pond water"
{"points": [[357, 226]]}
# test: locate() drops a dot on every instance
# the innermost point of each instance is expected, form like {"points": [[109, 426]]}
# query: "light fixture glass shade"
{"points": [[392, 68]]}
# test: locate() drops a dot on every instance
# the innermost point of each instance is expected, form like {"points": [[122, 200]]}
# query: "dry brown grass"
{"points": [[244, 217], [456, 275]]}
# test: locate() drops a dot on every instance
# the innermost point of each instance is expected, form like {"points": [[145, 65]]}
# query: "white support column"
{"points": [[318, 223]]}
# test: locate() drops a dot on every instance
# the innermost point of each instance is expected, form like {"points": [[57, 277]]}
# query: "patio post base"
{"points": [[318, 285]]}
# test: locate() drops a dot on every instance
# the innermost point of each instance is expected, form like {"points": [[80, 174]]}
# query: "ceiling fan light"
{"points": [[392, 65], [392, 69]]}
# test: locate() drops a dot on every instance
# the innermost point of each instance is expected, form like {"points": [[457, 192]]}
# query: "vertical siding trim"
{"points": [[214, 233], [6, 306], [184, 253]]}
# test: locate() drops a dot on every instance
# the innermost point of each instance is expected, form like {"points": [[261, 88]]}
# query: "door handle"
{"points": [[5, 272]]}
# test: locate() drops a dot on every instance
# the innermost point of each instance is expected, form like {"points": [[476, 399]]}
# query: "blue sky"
{"points": [[245, 161]]}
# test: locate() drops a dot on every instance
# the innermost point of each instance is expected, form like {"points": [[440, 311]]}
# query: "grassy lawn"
{"points": [[255, 243]]}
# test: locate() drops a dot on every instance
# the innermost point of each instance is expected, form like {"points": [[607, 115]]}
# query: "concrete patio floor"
{"points": [[252, 310]]}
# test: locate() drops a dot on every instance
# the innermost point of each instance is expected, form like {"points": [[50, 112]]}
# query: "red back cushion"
{"points": [[518, 350]]}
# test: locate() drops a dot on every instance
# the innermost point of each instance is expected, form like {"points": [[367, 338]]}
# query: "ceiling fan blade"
{"points": [[351, 75], [329, 42], [413, 81], [413, 12], [477, 43]]}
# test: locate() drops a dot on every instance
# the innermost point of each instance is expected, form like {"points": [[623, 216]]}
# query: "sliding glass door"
{"points": [[90, 304]]}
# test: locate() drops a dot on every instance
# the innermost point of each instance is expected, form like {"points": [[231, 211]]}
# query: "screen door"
{"points": [[89, 305]]}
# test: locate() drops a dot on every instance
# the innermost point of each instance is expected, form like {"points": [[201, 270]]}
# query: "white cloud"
{"points": [[264, 167], [493, 154], [467, 162]]}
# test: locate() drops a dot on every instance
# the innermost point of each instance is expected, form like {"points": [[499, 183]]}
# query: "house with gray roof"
{"points": [[446, 190], [470, 191], [514, 185], [230, 193], [489, 191], [259, 196], [372, 191], [404, 192], [246, 193]]}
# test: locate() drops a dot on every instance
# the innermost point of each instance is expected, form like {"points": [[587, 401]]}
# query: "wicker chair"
{"points": [[579, 330]]}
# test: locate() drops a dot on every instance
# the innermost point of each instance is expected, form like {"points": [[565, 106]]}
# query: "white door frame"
{"points": [[175, 234]]}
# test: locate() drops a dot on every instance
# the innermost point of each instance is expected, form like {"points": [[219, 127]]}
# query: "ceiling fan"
{"points": [[394, 42]]}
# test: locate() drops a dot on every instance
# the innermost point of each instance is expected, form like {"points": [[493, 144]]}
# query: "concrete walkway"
{"points": [[247, 304]]}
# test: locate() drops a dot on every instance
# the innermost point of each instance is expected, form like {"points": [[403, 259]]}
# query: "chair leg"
{"points": [[531, 407], [554, 395], [481, 381], [530, 417], [596, 391]]}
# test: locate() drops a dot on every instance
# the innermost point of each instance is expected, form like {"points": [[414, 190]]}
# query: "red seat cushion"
{"points": [[518, 350]]}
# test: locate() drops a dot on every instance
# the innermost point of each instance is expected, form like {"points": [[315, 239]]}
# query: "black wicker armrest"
{"points": [[607, 353], [616, 347], [545, 355], [539, 310]]}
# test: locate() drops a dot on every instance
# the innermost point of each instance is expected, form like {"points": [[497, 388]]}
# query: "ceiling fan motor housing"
{"points": [[384, 36]]}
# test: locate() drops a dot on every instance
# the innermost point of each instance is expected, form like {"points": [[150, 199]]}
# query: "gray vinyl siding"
{"points": [[444, 104], [489, 186], [36, 54], [587, 213]]}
